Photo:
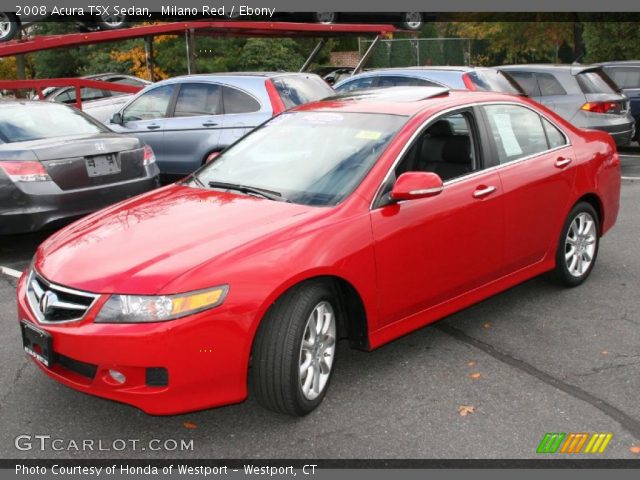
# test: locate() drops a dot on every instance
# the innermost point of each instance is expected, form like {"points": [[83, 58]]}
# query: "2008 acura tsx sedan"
{"points": [[363, 217]]}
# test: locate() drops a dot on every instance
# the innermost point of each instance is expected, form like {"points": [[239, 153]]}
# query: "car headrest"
{"points": [[457, 149], [441, 128]]}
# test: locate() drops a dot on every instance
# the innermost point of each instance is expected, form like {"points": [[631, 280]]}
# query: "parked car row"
{"points": [[182, 123], [582, 94]]}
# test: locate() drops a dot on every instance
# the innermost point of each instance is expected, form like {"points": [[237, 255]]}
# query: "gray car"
{"points": [[189, 119], [57, 163], [582, 94]]}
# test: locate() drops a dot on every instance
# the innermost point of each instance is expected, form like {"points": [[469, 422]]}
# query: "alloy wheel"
{"points": [[317, 350], [580, 244], [413, 20], [5, 25]]}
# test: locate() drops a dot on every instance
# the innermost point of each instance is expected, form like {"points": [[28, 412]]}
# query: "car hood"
{"points": [[142, 244]]}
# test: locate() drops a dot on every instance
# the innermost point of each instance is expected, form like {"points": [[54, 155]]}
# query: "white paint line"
{"points": [[630, 178], [10, 272]]}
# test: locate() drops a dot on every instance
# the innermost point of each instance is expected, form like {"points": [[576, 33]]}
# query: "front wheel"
{"points": [[578, 247], [112, 21], [294, 350], [9, 26]]}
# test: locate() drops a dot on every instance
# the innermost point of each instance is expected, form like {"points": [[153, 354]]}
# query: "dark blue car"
{"points": [[627, 77]]}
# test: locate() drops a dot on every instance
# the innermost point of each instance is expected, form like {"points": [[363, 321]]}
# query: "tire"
{"points": [[412, 21], [582, 226], [279, 353], [636, 137], [112, 22], [9, 26], [325, 18]]}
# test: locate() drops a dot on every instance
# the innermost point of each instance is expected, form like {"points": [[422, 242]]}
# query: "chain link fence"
{"points": [[412, 52]]}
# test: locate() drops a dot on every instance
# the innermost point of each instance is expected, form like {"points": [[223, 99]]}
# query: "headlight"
{"points": [[143, 309]]}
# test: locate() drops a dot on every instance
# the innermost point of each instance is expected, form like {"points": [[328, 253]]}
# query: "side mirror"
{"points": [[413, 185], [211, 157], [117, 119]]}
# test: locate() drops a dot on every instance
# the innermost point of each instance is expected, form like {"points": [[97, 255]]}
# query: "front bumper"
{"points": [[28, 207], [205, 356]]}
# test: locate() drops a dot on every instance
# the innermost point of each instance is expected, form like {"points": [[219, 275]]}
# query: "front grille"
{"points": [[81, 368], [56, 304]]}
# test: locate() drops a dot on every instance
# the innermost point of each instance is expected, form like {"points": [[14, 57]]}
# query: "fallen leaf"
{"points": [[604, 352], [190, 425], [471, 363], [465, 410], [635, 449], [486, 325], [475, 375]]}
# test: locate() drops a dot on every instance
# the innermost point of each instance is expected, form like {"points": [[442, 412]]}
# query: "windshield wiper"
{"points": [[268, 194]]}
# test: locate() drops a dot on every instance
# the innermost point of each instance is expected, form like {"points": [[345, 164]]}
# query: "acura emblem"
{"points": [[48, 302]]}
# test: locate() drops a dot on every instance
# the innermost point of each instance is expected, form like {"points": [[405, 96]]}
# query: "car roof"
{"points": [[213, 76], [620, 63], [549, 67], [401, 100]]}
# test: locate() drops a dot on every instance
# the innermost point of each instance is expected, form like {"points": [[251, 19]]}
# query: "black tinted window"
{"points": [[527, 81], [517, 131], [596, 81], [549, 85], [554, 136], [494, 81], [197, 99], [237, 101], [298, 90]]}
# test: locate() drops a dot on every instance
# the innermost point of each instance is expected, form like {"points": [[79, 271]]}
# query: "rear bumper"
{"points": [[28, 207], [622, 134]]}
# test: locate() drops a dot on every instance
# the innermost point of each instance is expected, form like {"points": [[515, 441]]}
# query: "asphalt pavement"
{"points": [[535, 359]]}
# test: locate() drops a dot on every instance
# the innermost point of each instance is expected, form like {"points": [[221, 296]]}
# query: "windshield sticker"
{"points": [[505, 130], [369, 135], [323, 118]]}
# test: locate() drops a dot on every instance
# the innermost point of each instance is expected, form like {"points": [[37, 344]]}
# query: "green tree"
{"points": [[61, 62], [271, 54], [611, 41]]}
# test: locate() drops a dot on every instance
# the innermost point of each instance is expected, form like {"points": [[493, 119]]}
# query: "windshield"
{"points": [[312, 158], [21, 123]]}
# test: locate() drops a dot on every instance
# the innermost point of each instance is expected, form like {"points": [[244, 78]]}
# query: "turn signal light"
{"points": [[601, 107], [25, 171]]}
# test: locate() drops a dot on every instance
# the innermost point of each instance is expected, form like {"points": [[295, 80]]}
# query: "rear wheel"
{"points": [[325, 18], [294, 350], [578, 247], [9, 26], [412, 21]]}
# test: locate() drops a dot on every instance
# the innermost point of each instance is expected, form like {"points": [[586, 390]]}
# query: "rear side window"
{"points": [[196, 99], [237, 101], [493, 81], [518, 132], [596, 81], [549, 85], [527, 81], [357, 84], [624, 77], [554, 136], [298, 90], [401, 81]]}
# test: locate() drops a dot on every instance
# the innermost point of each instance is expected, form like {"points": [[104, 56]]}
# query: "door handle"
{"points": [[209, 124], [483, 191], [153, 127], [562, 162]]}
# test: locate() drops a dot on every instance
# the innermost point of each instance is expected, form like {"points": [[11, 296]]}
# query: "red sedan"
{"points": [[362, 217]]}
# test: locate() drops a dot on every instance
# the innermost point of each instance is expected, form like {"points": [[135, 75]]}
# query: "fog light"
{"points": [[117, 376]]}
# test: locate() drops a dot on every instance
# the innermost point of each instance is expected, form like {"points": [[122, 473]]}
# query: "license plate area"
{"points": [[100, 165], [37, 343]]}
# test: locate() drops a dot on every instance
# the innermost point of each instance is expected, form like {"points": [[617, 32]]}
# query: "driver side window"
{"points": [[149, 106], [447, 147]]}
